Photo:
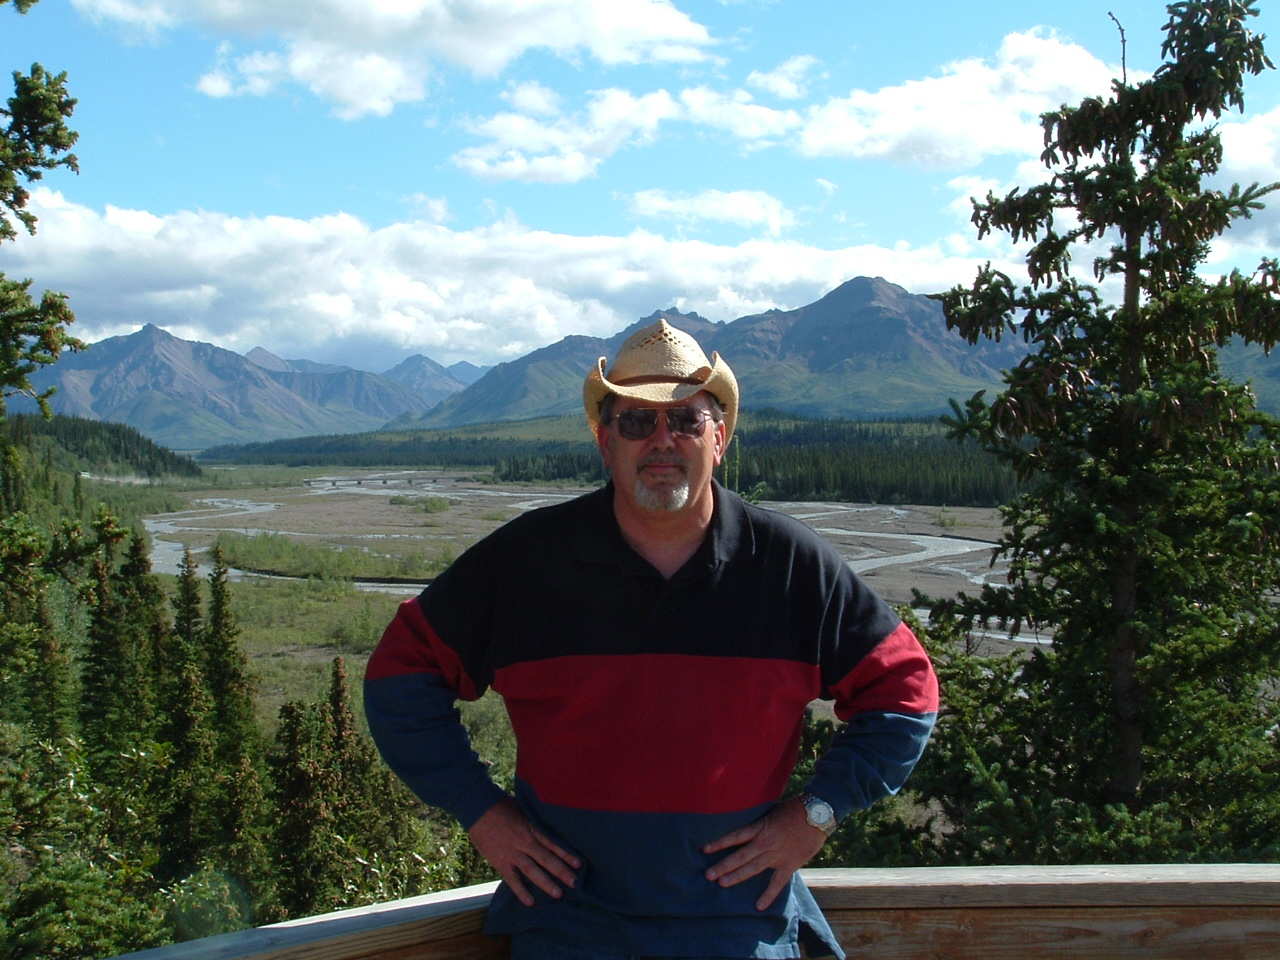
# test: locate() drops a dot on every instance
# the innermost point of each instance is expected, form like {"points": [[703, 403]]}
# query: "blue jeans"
{"points": [[537, 945]]}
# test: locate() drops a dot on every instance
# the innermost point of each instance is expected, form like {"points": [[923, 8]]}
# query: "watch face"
{"points": [[819, 812]]}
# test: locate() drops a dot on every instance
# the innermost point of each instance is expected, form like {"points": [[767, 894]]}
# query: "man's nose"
{"points": [[662, 434]]}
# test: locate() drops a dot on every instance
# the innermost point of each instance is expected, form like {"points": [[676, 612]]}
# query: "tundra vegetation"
{"points": [[154, 788]]}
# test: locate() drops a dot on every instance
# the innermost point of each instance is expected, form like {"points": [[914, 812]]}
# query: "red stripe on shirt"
{"points": [[410, 645], [895, 676], [657, 732]]}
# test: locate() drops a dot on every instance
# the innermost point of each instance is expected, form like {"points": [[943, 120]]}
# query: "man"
{"points": [[656, 643]]}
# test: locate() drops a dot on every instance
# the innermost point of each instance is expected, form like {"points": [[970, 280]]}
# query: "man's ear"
{"points": [[721, 436]]}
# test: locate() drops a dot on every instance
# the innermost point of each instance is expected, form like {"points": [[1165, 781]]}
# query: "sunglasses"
{"points": [[639, 423]]}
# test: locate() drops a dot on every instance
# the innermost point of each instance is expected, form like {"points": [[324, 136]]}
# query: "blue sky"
{"points": [[472, 179]]}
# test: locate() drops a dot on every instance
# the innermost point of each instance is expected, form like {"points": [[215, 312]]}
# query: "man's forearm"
{"points": [[416, 727], [869, 758], [889, 702]]}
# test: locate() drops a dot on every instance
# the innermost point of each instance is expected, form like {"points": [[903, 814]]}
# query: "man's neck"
{"points": [[666, 538]]}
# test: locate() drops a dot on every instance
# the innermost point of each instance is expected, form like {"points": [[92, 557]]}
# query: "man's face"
{"points": [[665, 470]]}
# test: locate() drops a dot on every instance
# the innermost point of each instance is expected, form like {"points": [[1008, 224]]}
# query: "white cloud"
{"points": [[533, 98], [433, 209], [746, 208], [256, 74], [145, 15], [369, 57], [826, 186], [737, 114], [330, 288], [1250, 154], [356, 83], [1251, 148], [971, 110], [539, 143], [787, 81], [217, 84], [566, 149]]}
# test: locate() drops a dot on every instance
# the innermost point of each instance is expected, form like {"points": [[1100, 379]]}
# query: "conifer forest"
{"points": [[144, 801]]}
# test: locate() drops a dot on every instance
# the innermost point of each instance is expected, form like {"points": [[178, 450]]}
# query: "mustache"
{"points": [[668, 459]]}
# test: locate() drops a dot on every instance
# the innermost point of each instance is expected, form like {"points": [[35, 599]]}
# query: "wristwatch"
{"points": [[818, 813]]}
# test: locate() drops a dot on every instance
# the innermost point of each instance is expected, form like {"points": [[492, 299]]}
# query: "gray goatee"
{"points": [[664, 498]]}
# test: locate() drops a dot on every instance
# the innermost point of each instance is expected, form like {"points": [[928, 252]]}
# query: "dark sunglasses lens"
{"points": [[684, 420], [637, 424]]}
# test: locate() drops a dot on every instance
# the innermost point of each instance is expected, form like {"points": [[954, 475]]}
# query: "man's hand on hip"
{"points": [[782, 841], [521, 852]]}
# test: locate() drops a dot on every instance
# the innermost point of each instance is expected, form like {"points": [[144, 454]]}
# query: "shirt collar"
{"points": [[598, 539]]}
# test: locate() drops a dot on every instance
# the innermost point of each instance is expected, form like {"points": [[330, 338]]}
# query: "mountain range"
{"points": [[189, 395], [867, 349]]}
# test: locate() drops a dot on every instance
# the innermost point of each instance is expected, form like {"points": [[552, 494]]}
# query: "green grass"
{"points": [[129, 502], [236, 477], [277, 553]]}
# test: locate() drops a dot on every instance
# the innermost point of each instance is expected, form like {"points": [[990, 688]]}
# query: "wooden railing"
{"points": [[1173, 912]]}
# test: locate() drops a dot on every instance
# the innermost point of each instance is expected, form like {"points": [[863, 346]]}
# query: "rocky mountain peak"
{"points": [[266, 359]]}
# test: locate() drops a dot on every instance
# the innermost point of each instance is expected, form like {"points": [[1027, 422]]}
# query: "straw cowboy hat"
{"points": [[662, 364]]}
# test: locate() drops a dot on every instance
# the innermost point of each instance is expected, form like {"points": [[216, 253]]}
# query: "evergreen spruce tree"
{"points": [[66, 889], [1145, 536], [345, 831], [378, 819], [227, 671], [34, 137], [182, 653], [187, 618], [51, 689], [147, 622], [240, 802], [368, 814], [308, 857], [71, 906], [107, 674], [349, 757], [190, 830], [244, 844], [13, 481]]}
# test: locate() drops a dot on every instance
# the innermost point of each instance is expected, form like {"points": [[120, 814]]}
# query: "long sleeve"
{"points": [[411, 685], [889, 701]]}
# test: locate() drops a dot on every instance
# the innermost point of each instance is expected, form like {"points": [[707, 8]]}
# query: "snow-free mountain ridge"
{"points": [[866, 349]]}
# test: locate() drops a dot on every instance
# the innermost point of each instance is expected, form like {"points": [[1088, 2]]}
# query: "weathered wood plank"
{"points": [[1015, 886], [956, 913], [349, 934], [475, 946], [1105, 933]]}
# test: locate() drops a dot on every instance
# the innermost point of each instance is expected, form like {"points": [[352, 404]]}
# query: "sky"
{"points": [[358, 182]]}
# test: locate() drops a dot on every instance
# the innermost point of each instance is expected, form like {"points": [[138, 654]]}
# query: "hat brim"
{"points": [[718, 381]]}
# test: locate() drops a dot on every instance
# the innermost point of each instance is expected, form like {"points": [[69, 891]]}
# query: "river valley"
{"points": [[896, 548]]}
